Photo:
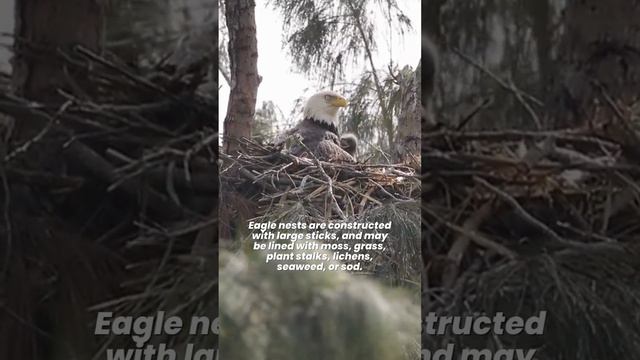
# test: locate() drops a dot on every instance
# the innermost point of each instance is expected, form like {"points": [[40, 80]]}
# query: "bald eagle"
{"points": [[318, 130]]}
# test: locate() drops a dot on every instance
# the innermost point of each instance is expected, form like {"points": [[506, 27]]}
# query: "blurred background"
{"points": [[481, 40], [140, 31], [67, 254], [524, 86]]}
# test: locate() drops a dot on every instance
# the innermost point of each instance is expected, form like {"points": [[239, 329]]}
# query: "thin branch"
{"points": [[475, 236], [509, 86], [367, 47]]}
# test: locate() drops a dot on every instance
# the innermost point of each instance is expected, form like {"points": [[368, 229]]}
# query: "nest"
{"points": [[270, 184], [522, 222], [278, 186], [329, 190]]}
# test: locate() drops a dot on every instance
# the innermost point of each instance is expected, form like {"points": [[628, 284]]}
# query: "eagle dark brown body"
{"points": [[321, 139], [318, 130]]}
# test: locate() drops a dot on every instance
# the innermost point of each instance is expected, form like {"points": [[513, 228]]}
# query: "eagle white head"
{"points": [[324, 106]]}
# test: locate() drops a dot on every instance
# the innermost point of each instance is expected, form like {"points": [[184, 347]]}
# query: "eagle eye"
{"points": [[327, 97]]}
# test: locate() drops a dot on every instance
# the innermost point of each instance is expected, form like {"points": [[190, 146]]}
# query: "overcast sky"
{"points": [[280, 82]]}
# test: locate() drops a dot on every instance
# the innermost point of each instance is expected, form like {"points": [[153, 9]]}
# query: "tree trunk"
{"points": [[35, 326], [599, 47], [50, 25], [431, 18], [540, 14], [43, 27], [428, 79], [407, 142], [243, 59]]}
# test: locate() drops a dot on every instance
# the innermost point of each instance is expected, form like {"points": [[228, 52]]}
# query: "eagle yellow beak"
{"points": [[339, 101]]}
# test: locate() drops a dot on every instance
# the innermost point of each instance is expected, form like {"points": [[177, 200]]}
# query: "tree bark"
{"points": [[28, 327], [407, 142], [243, 59], [429, 74], [431, 18], [599, 47], [42, 28], [540, 14], [51, 25]]}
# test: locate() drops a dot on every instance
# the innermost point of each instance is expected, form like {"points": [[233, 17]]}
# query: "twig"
{"points": [[148, 84], [39, 136], [524, 215], [328, 179], [475, 236], [520, 95], [101, 168], [485, 103], [569, 135], [461, 243]]}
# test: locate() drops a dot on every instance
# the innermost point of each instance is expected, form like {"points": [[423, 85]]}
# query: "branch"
{"points": [[328, 179], [475, 236], [524, 215], [367, 48]]}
